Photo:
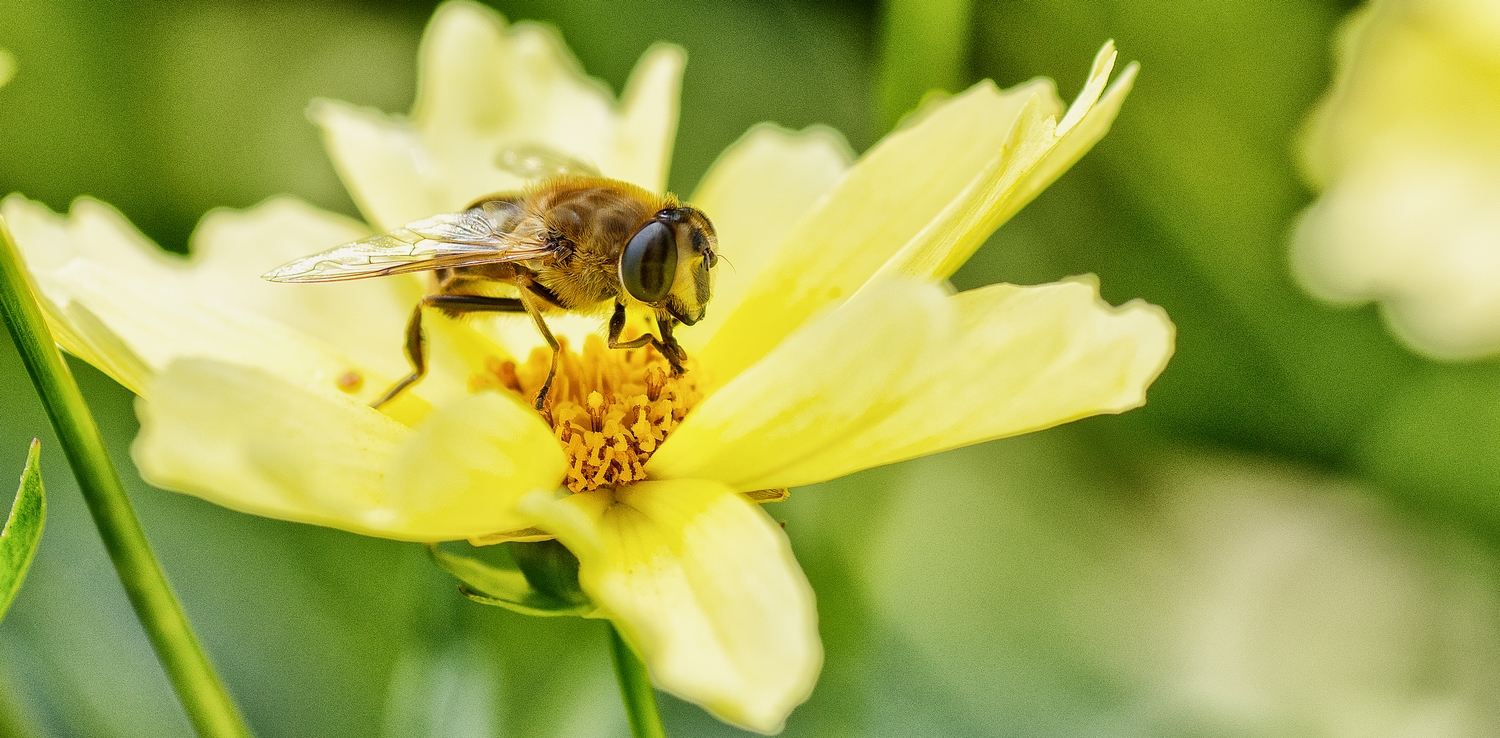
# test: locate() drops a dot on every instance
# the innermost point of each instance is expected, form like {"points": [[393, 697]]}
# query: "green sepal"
{"points": [[505, 584], [550, 568], [23, 531]]}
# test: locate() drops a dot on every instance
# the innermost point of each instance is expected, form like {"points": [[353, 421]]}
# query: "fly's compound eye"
{"points": [[649, 262]]}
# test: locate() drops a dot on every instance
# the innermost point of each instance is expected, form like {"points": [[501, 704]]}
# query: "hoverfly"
{"points": [[572, 241]]}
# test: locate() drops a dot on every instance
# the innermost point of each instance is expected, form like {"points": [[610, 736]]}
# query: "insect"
{"points": [[569, 242]]}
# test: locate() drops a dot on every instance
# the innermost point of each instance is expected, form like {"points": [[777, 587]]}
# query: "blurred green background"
{"points": [[1297, 536]]}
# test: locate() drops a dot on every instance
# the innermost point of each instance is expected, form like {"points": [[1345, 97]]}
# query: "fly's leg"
{"points": [[416, 342], [414, 354], [617, 326], [529, 303], [667, 345]]}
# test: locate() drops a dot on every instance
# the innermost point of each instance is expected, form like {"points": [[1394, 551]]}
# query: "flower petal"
{"points": [[917, 204], [485, 87], [1039, 155], [240, 437], [756, 192], [904, 370], [1024, 359], [361, 319], [1416, 231], [131, 309], [648, 126], [704, 586], [382, 163], [248, 440], [468, 463], [839, 373], [92, 230]]}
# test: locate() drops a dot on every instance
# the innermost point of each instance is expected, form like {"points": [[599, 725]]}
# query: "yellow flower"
{"points": [[1406, 148], [833, 344]]}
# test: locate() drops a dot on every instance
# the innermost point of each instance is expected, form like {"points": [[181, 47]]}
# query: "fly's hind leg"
{"points": [[414, 354], [416, 342], [667, 345]]}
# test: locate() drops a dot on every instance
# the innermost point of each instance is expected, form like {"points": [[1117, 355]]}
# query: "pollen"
{"points": [[610, 409]]}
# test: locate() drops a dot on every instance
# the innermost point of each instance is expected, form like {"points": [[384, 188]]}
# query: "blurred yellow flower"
{"points": [[7, 66], [834, 344], [1406, 148]]}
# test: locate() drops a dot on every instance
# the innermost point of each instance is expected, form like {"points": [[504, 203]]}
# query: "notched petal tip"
{"points": [[1104, 62], [920, 202]]}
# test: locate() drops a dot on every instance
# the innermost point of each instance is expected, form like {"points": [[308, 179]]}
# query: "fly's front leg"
{"points": [[617, 326], [669, 347], [416, 341]]}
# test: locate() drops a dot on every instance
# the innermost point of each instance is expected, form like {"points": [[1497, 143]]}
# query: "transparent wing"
{"points": [[462, 239], [534, 161]]}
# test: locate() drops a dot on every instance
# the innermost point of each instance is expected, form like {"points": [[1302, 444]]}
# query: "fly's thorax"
{"points": [[589, 221], [594, 216]]}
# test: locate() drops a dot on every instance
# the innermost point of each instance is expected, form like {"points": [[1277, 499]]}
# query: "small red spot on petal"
{"points": [[350, 381]]}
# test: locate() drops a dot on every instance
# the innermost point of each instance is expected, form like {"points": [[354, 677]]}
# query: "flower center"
{"points": [[609, 408]]}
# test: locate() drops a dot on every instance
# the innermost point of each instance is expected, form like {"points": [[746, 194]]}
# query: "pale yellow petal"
{"points": [[363, 319], [485, 87], [704, 586], [1023, 359], [919, 184], [248, 440], [91, 230], [81, 333], [7, 66], [1074, 142], [648, 124], [131, 309], [1406, 148], [756, 192], [161, 326], [467, 464], [842, 372], [382, 163], [906, 370], [1041, 151], [44, 238]]}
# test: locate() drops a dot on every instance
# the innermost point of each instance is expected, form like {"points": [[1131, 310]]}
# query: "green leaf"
{"points": [[23, 531], [505, 585]]}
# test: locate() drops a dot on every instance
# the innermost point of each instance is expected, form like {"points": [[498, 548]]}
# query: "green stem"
{"points": [[636, 690], [203, 697]]}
